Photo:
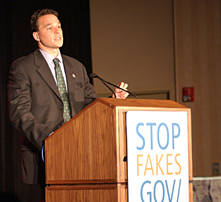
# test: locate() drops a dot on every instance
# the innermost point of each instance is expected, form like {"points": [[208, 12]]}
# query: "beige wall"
{"points": [[198, 64], [133, 41]]}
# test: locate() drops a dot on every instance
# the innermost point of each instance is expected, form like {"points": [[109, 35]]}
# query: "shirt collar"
{"points": [[49, 58]]}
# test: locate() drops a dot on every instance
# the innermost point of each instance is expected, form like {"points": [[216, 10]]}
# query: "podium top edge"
{"points": [[112, 102]]}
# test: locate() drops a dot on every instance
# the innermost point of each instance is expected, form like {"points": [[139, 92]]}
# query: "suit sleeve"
{"points": [[20, 103]]}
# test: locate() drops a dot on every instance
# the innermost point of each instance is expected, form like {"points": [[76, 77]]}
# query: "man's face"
{"points": [[49, 36]]}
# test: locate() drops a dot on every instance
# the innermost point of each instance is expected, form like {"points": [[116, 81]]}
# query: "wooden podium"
{"points": [[85, 159]]}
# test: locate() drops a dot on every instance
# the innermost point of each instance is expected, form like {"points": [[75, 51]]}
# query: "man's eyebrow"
{"points": [[48, 24], [52, 23]]}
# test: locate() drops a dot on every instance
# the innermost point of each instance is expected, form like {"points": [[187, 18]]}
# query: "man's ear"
{"points": [[36, 36]]}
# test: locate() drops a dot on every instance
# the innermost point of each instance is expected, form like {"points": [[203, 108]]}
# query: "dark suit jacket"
{"points": [[35, 106]]}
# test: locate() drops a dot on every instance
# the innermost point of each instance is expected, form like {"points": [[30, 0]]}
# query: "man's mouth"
{"points": [[57, 38]]}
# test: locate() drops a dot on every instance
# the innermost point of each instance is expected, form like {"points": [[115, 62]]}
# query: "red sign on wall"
{"points": [[188, 94]]}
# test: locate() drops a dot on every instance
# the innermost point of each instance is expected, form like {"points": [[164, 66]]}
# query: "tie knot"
{"points": [[56, 61]]}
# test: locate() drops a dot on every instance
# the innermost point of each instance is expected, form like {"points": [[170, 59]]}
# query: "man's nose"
{"points": [[57, 30]]}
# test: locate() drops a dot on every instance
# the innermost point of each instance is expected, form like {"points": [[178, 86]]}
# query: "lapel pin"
{"points": [[73, 75]]}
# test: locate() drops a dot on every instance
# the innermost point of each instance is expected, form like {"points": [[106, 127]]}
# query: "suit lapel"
{"points": [[71, 82], [45, 72], [70, 74]]}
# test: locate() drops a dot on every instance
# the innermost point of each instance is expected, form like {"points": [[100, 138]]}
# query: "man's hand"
{"points": [[120, 93]]}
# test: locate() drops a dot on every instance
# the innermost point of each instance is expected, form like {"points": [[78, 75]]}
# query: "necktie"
{"points": [[62, 91]]}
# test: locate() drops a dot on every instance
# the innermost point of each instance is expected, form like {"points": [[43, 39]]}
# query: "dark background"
{"points": [[16, 41]]}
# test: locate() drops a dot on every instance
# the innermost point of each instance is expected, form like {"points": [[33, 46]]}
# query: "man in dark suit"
{"points": [[35, 104]]}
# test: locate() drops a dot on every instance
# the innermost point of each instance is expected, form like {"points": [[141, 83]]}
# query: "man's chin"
{"points": [[59, 45]]}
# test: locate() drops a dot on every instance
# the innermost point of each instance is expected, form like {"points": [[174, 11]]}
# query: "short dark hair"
{"points": [[38, 14]]}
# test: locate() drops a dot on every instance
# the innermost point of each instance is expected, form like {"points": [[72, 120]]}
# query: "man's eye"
{"points": [[48, 28]]}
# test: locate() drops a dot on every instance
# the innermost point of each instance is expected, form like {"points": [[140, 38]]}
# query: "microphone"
{"points": [[93, 75]]}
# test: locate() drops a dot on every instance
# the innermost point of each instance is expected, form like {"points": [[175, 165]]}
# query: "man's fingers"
{"points": [[123, 85]]}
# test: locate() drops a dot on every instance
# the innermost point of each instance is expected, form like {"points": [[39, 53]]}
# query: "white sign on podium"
{"points": [[157, 156]]}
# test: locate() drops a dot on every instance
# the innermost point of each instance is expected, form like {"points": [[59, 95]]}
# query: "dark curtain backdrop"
{"points": [[16, 41]]}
